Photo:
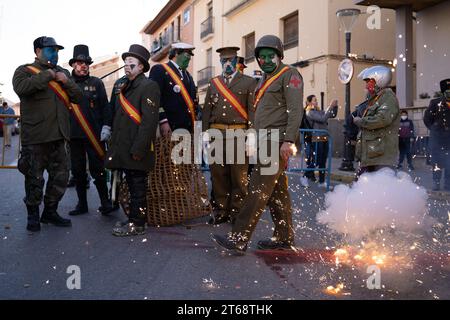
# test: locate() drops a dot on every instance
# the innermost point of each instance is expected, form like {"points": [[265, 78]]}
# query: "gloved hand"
{"points": [[105, 135], [357, 121], [250, 145]]}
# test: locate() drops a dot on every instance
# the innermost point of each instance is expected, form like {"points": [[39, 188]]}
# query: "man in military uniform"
{"points": [[177, 111], [89, 131], [46, 93], [228, 107], [278, 104], [134, 134], [437, 120], [377, 144]]}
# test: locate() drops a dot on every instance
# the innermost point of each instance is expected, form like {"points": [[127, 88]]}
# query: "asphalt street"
{"points": [[182, 262]]}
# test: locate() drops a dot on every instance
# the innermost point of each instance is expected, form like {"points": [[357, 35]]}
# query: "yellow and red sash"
{"points": [[267, 84], [76, 110], [184, 93], [132, 112], [129, 109], [229, 96]]}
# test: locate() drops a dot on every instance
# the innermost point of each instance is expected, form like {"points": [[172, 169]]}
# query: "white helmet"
{"points": [[381, 74]]}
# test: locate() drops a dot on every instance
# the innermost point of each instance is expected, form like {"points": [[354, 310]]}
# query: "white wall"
{"points": [[433, 61]]}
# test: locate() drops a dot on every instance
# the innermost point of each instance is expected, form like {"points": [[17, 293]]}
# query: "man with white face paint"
{"points": [[133, 136], [89, 132], [278, 109], [228, 107]]}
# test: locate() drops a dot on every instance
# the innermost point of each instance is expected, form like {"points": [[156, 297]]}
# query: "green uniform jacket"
{"points": [[281, 107], [129, 138], [378, 138], [217, 110], [44, 117]]}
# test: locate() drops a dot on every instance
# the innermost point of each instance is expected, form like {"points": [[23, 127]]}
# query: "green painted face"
{"points": [[183, 60], [268, 60]]}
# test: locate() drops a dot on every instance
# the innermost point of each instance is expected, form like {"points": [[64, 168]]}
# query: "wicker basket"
{"points": [[175, 193]]}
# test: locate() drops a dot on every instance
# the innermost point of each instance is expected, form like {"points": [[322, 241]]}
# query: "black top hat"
{"points": [[43, 42], [81, 53], [139, 52], [241, 61], [445, 85]]}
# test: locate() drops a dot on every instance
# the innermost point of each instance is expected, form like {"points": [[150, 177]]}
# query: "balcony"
{"points": [[160, 48], [204, 75], [207, 28]]}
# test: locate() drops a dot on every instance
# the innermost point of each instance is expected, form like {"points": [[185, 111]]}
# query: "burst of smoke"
{"points": [[378, 200]]}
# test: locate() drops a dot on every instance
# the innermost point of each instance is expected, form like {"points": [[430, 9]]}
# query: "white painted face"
{"points": [[133, 67], [81, 68]]}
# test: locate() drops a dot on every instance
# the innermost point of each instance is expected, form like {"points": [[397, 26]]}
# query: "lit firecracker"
{"points": [[370, 254], [294, 150], [337, 291]]}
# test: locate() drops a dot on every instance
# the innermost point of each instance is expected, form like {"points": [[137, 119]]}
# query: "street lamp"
{"points": [[347, 19]]}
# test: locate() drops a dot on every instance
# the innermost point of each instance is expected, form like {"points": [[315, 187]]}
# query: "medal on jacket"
{"points": [[176, 89]]}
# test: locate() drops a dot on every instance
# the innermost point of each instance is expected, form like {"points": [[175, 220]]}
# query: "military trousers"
{"points": [[266, 190], [34, 160], [137, 185], [229, 185], [79, 150]]}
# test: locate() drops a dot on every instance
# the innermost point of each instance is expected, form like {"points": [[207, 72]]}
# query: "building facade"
{"points": [[174, 23], [422, 52], [310, 30], [106, 68]]}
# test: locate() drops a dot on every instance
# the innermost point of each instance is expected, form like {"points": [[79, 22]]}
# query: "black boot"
{"points": [[33, 218], [82, 206], [106, 205], [49, 215]]}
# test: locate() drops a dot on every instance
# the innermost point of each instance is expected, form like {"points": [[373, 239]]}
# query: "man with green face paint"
{"points": [[278, 106], [45, 127], [177, 111]]}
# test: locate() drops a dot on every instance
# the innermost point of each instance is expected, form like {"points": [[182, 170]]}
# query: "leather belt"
{"points": [[228, 126]]}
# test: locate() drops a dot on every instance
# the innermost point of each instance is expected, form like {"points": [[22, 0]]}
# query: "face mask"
{"points": [[404, 118], [268, 60], [371, 87], [183, 60], [229, 65], [133, 67], [81, 69], [50, 55]]}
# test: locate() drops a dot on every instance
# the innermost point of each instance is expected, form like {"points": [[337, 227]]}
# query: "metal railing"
{"points": [[207, 27], [3, 146], [204, 75], [305, 154], [162, 42]]}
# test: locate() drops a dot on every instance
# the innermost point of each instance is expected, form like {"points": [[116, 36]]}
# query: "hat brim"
{"points": [[139, 57], [186, 50], [72, 61], [55, 46]]}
